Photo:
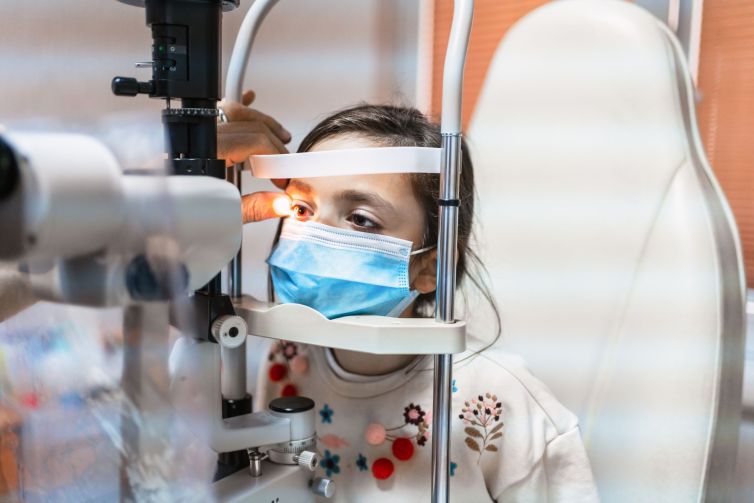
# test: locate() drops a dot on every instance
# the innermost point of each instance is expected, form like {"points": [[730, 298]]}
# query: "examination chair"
{"points": [[612, 251]]}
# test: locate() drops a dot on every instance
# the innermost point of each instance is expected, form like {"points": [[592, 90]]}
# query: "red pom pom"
{"points": [[31, 400], [382, 469], [289, 390], [277, 372], [403, 449]]}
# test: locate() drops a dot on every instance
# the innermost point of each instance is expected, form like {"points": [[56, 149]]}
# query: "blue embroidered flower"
{"points": [[361, 463], [453, 384], [330, 463], [453, 467], [326, 414]]}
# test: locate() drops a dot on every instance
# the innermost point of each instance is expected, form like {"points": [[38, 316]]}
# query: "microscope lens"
{"points": [[8, 170]]}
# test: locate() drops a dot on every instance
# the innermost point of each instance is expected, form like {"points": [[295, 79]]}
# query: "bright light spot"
{"points": [[282, 205]]}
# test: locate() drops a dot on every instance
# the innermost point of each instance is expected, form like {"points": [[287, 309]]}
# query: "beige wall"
{"points": [[57, 58]]}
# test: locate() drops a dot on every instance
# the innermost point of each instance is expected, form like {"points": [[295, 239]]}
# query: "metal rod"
{"points": [[239, 57], [235, 269], [441, 428], [233, 90], [446, 284], [448, 227], [233, 378], [450, 126]]}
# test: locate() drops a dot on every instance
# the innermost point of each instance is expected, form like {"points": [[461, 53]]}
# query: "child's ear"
{"points": [[425, 277]]}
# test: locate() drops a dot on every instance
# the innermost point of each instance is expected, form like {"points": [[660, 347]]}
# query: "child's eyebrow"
{"points": [[300, 186], [369, 198]]}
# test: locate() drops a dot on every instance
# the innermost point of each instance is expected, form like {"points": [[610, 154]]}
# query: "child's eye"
{"points": [[301, 211], [361, 220]]}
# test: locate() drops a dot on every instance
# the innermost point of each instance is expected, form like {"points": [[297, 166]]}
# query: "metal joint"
{"points": [[449, 202], [255, 462]]}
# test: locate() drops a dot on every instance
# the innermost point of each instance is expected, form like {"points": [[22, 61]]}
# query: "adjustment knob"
{"points": [[300, 411], [229, 330], [323, 487], [307, 459], [291, 404], [128, 86]]}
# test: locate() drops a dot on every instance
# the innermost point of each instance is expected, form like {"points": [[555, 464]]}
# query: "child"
{"points": [[340, 253]]}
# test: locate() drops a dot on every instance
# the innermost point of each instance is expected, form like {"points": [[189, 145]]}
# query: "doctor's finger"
{"points": [[248, 97], [247, 127], [235, 112], [265, 205], [236, 148]]}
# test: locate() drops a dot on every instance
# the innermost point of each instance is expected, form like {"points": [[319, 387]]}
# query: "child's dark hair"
{"points": [[404, 126]]}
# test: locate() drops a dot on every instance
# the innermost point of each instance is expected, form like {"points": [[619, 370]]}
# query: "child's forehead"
{"points": [[386, 184], [390, 186], [345, 141]]}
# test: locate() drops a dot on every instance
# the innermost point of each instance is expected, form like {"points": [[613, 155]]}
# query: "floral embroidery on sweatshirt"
{"points": [[330, 463], [413, 416], [482, 419], [286, 361], [326, 413], [402, 441], [333, 441], [361, 463]]}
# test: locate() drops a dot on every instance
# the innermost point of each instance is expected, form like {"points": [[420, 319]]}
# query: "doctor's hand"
{"points": [[249, 132]]}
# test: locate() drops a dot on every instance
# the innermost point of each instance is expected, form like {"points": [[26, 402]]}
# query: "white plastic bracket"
{"points": [[370, 334]]}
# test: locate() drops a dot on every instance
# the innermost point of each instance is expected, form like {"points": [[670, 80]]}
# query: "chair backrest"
{"points": [[612, 251]]}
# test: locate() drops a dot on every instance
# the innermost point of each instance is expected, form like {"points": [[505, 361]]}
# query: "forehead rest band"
{"points": [[359, 161]]}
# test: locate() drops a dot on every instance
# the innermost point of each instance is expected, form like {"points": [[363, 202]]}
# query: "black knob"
{"points": [[9, 173], [291, 404], [129, 86]]}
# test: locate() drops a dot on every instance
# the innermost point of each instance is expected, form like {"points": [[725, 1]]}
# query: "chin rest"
{"points": [[612, 251]]}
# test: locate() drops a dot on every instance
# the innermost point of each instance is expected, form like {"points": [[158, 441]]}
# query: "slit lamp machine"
{"points": [[86, 232]]}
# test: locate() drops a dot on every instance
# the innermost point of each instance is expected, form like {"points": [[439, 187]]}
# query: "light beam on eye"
{"points": [[282, 205]]}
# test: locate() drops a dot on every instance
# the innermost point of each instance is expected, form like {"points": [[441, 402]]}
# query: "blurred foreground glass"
{"points": [[85, 413]]}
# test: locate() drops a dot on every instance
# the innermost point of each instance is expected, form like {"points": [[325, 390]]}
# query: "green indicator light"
{"points": [[162, 48]]}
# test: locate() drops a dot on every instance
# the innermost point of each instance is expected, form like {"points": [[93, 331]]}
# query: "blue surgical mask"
{"points": [[341, 272]]}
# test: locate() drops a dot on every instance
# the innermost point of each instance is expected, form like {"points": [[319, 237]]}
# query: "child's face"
{"points": [[382, 204]]}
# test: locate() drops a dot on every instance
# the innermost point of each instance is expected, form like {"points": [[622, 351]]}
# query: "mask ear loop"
{"points": [[422, 250], [413, 295], [402, 305]]}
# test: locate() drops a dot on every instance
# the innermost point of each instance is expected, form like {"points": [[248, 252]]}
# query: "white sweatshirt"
{"points": [[510, 438]]}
